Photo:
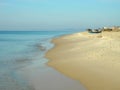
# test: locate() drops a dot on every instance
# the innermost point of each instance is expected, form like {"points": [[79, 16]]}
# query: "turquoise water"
{"points": [[18, 49]]}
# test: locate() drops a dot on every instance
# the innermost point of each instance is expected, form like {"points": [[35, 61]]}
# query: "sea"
{"points": [[20, 49]]}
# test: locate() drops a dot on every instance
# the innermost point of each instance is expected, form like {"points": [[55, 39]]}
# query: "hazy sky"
{"points": [[58, 14]]}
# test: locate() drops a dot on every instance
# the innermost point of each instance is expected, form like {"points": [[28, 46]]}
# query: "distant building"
{"points": [[116, 27], [107, 27]]}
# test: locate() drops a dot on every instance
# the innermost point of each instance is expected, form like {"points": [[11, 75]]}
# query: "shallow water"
{"points": [[21, 52]]}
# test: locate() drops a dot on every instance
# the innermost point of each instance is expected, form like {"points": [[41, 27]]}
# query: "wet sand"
{"points": [[93, 59], [42, 77]]}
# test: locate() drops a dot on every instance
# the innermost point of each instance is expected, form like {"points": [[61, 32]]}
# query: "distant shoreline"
{"points": [[93, 59]]}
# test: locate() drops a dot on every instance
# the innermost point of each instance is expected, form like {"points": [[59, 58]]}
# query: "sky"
{"points": [[58, 14]]}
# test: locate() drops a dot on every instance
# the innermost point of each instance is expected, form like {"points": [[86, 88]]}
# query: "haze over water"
{"points": [[58, 14]]}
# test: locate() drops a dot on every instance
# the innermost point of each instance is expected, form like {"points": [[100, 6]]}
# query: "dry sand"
{"points": [[93, 59]]}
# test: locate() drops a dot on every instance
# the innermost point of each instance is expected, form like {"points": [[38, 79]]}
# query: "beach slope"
{"points": [[93, 59]]}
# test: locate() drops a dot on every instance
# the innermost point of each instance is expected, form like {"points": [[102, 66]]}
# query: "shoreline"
{"points": [[93, 59], [39, 76]]}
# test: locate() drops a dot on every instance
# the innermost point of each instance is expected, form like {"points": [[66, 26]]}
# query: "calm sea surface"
{"points": [[19, 49]]}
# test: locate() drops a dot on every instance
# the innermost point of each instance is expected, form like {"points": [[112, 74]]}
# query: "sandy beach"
{"points": [[93, 59]]}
